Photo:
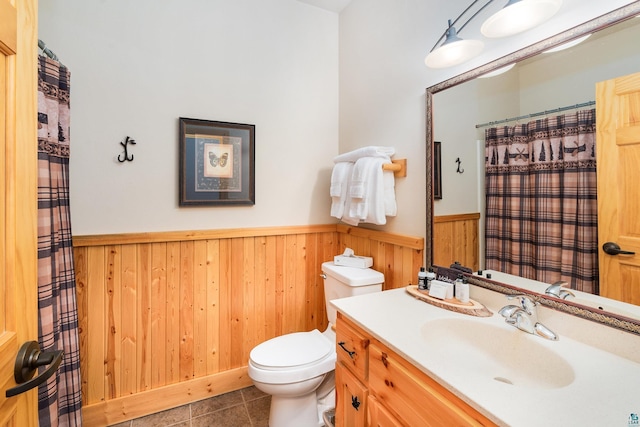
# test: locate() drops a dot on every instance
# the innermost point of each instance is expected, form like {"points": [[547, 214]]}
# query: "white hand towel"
{"points": [[389, 184], [340, 177], [360, 176], [371, 151], [374, 207], [346, 216], [366, 190]]}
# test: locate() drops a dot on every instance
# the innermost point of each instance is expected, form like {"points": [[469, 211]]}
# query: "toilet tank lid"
{"points": [[353, 276]]}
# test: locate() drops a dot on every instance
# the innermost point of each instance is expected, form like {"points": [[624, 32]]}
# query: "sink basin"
{"points": [[480, 350]]}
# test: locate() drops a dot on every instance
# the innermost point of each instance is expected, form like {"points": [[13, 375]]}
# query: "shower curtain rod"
{"points": [[541, 113], [47, 51]]}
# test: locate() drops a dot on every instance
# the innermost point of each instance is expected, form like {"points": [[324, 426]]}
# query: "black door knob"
{"points": [[28, 360], [612, 248]]}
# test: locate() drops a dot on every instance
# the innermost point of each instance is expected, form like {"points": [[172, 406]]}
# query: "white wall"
{"points": [[137, 66]]}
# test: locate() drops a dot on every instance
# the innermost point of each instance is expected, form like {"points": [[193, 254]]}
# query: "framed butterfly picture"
{"points": [[217, 163]]}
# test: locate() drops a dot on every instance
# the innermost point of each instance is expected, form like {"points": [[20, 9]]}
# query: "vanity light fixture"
{"points": [[567, 45], [518, 16], [515, 17], [453, 51]]}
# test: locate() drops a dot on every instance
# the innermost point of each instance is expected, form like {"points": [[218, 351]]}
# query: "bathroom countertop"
{"points": [[604, 391]]}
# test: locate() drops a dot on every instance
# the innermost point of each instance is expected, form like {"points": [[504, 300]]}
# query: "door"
{"points": [[618, 159], [18, 201]]}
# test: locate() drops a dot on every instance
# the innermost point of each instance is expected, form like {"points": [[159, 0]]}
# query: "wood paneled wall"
{"points": [[170, 318], [455, 238]]}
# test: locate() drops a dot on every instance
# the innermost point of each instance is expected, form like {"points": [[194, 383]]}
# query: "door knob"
{"points": [[28, 360], [612, 248]]}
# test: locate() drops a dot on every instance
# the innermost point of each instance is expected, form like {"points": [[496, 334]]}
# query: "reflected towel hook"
{"points": [[459, 162]]}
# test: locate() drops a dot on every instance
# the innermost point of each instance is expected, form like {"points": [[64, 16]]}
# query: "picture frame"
{"points": [[217, 163], [437, 170]]}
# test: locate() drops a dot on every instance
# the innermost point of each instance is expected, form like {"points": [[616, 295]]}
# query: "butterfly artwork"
{"points": [[215, 160]]}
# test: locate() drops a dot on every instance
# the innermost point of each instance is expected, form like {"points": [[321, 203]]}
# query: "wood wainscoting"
{"points": [[170, 318], [455, 238]]}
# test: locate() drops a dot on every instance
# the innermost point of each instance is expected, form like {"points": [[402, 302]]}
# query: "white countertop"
{"points": [[604, 392]]}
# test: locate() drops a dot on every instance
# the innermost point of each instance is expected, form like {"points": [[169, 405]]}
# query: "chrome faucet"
{"points": [[524, 316], [557, 291]]}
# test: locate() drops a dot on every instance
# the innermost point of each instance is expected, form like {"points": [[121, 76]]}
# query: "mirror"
{"points": [[601, 26]]}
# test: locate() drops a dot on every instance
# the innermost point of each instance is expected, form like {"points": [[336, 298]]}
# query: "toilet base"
{"points": [[290, 411]]}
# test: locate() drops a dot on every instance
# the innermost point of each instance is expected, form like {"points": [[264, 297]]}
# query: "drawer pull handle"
{"points": [[351, 353], [354, 402]]}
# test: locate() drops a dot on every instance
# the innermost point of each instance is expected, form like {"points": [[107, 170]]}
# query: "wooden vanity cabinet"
{"points": [[377, 387]]}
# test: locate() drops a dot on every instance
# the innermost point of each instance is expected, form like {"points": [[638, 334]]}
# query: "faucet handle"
{"points": [[508, 310], [556, 290], [527, 303]]}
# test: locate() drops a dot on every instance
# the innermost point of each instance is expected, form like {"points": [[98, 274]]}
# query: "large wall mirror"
{"points": [[611, 51]]}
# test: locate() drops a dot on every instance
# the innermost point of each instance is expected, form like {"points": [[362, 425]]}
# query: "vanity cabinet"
{"points": [[375, 386]]}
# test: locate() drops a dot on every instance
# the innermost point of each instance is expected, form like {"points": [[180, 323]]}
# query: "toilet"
{"points": [[297, 369]]}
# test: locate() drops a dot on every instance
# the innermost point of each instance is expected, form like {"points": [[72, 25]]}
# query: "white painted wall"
{"points": [[137, 66]]}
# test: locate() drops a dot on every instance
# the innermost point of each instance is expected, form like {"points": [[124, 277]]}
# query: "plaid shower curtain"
{"points": [[541, 212], [59, 399]]}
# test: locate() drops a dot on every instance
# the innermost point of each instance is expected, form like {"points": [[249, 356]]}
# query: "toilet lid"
{"points": [[291, 350]]}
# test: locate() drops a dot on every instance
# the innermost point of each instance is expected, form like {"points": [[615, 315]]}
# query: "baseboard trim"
{"points": [[148, 402]]}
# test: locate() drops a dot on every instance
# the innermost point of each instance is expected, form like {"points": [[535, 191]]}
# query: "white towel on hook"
{"points": [[370, 151], [340, 178]]}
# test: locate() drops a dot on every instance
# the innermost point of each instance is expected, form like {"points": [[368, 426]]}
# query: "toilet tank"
{"points": [[342, 282]]}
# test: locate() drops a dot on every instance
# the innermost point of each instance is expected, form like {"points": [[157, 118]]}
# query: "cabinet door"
{"points": [[351, 399], [379, 416], [418, 399]]}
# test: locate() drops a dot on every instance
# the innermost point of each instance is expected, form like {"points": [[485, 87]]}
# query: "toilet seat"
{"points": [[292, 357]]}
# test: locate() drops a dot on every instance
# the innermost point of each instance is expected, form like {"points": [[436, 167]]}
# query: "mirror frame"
{"points": [[611, 18]]}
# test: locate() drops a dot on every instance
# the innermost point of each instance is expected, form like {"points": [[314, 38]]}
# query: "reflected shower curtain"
{"points": [[541, 211], [59, 399]]}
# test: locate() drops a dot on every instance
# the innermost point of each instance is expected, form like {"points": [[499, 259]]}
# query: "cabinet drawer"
{"points": [[352, 348], [351, 399], [421, 401]]}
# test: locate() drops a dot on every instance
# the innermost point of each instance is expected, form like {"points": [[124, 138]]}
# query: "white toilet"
{"points": [[297, 369]]}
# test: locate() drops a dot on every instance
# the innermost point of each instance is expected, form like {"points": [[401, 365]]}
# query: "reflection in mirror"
{"points": [[539, 82]]}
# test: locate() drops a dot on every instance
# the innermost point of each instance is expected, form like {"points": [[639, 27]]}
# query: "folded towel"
{"points": [[371, 151], [340, 177]]}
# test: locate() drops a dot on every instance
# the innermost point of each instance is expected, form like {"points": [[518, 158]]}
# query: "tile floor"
{"points": [[248, 407]]}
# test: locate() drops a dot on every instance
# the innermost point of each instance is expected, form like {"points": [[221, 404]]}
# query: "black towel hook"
{"points": [[459, 162], [124, 144]]}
